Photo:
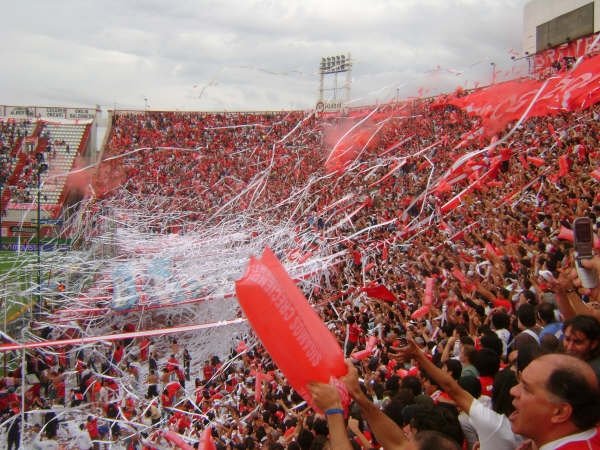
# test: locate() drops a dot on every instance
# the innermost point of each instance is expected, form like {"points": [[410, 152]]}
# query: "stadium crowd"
{"points": [[507, 354]]}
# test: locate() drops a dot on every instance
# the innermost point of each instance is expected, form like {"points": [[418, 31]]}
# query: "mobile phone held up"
{"points": [[583, 239]]}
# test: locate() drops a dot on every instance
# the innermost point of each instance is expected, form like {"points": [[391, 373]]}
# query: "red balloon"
{"points": [[290, 330]]}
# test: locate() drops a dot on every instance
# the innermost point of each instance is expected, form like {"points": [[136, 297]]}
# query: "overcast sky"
{"points": [[244, 55]]}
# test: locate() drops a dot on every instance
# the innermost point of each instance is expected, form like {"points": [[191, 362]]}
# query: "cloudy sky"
{"points": [[251, 54]]}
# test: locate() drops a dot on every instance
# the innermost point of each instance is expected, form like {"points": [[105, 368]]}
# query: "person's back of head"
{"points": [[454, 367], [394, 408], [468, 352], [491, 341], [320, 427], [531, 298], [526, 315], [487, 362], [470, 384], [392, 385], [467, 340], [413, 383], [442, 418], [549, 343], [500, 320], [501, 398], [546, 312], [305, 438], [433, 440]]}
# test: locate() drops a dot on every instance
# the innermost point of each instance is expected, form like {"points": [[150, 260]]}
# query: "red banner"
{"points": [[562, 55], [502, 103], [379, 291]]}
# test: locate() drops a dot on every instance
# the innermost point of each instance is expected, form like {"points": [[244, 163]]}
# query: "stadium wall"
{"points": [[553, 21]]}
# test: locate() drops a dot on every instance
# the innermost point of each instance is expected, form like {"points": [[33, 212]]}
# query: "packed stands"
{"points": [[430, 210], [27, 145]]}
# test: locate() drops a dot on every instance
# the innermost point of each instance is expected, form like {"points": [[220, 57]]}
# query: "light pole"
{"points": [[332, 65], [41, 168], [493, 64], [527, 56], [2, 179]]}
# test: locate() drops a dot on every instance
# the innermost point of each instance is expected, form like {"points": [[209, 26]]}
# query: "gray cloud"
{"points": [[246, 55]]}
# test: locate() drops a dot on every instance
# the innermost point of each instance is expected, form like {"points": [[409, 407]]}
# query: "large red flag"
{"points": [[379, 291]]}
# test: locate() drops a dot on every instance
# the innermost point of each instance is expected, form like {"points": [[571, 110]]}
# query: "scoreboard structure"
{"points": [[558, 32]]}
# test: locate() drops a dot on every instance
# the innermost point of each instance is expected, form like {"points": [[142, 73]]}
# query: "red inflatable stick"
{"points": [[290, 330], [368, 351], [596, 174], [206, 441], [178, 441], [362, 354], [563, 166], [428, 297], [420, 313]]}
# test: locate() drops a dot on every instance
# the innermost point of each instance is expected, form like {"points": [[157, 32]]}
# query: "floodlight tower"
{"points": [[334, 65]]}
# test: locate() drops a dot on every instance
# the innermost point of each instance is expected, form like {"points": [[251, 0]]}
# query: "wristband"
{"points": [[332, 411]]}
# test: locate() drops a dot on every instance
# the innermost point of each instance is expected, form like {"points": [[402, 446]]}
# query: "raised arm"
{"points": [[327, 399], [567, 296], [444, 380], [386, 431]]}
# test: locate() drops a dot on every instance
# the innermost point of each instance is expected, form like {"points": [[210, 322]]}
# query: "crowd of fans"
{"points": [[504, 292], [21, 158], [11, 134]]}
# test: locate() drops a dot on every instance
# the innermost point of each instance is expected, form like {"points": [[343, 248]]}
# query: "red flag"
{"points": [[381, 292]]}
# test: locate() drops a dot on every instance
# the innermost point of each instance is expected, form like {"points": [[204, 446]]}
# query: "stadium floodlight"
{"points": [[332, 66]]}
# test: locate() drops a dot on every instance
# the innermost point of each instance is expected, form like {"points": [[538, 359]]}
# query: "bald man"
{"points": [[557, 404]]}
